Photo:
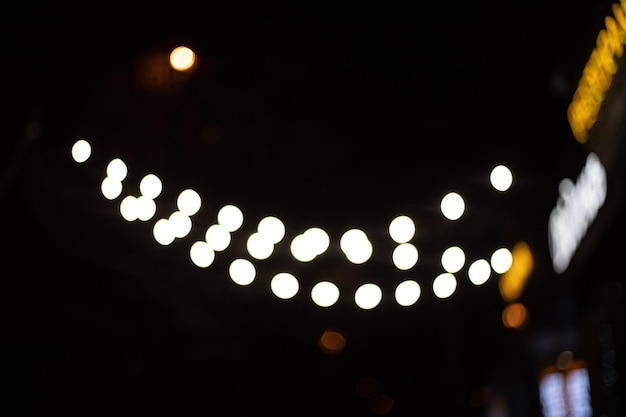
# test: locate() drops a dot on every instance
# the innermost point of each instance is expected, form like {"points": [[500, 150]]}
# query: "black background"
{"points": [[337, 115]]}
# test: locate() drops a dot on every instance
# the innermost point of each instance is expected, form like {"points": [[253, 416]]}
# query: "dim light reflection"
{"points": [[332, 342], [315, 241], [514, 315]]}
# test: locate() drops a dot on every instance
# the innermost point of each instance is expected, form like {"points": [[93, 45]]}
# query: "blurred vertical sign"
{"points": [[576, 208]]}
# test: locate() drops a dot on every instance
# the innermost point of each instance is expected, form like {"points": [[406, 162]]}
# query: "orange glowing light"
{"points": [[332, 342], [514, 315]]}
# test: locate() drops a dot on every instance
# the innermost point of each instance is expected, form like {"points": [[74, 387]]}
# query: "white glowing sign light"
{"points": [[576, 208]]}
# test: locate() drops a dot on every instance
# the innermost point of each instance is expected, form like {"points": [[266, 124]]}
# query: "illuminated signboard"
{"points": [[577, 207], [598, 73]]}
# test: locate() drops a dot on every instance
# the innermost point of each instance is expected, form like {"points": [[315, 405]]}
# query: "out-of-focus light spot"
{"points": [[180, 223], [325, 294], [453, 259], [356, 246], [111, 188], [405, 256], [163, 232], [367, 387], [368, 296], [150, 186], [242, 271], [202, 255], [501, 178], [284, 285], [514, 315], [182, 58], [301, 249], [146, 208], [407, 293], [501, 260], [259, 246], [513, 281], [402, 229], [129, 208], [217, 237], [479, 271], [273, 228], [332, 342], [444, 285], [230, 217], [81, 151], [564, 360], [117, 170], [381, 404], [318, 240], [452, 206], [189, 202]]}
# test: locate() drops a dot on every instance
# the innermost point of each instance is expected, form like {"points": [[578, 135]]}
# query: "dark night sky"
{"points": [[322, 114]]}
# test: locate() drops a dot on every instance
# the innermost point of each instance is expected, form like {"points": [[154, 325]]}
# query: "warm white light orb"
{"points": [[479, 271], [402, 229], [501, 260], [111, 188], [217, 237], [407, 293], [405, 256], [356, 246], [230, 217], [259, 246], [452, 206], [368, 296], [163, 232], [129, 208], [180, 223], [273, 228], [81, 151], [117, 170], [242, 271], [444, 285], [150, 186], [189, 202], [182, 58], [202, 255], [453, 259], [284, 285], [501, 178], [325, 294]]}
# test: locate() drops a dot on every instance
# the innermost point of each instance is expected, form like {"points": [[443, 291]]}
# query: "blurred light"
{"points": [[182, 58], [129, 209], [284, 285], [514, 315], [150, 186], [180, 223], [407, 293], [368, 296], [452, 206], [163, 232], [332, 342], [242, 271], [402, 229], [444, 285], [356, 246], [189, 202], [111, 188], [381, 404], [479, 271], [259, 246], [453, 259], [81, 151], [230, 217], [117, 170], [501, 178], [325, 294], [146, 208], [318, 239], [217, 237], [272, 228], [405, 256], [367, 387], [501, 260], [202, 254], [301, 249], [514, 279]]}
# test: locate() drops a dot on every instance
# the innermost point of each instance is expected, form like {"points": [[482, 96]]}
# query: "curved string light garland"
{"points": [[314, 242]]}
